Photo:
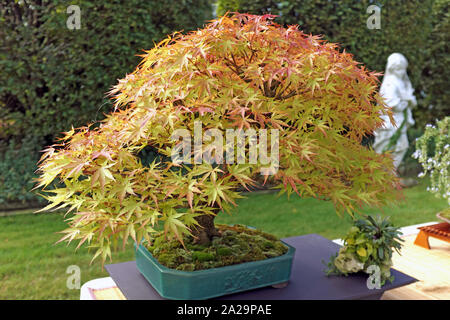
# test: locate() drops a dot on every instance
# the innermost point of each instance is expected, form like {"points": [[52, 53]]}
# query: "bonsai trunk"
{"points": [[206, 230]]}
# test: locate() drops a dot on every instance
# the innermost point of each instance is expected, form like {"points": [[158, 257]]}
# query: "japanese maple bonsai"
{"points": [[239, 72]]}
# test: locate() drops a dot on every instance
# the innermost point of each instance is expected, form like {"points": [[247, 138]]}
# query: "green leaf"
{"points": [[361, 252], [380, 253]]}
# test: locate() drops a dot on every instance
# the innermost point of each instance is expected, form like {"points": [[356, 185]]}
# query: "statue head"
{"points": [[396, 66]]}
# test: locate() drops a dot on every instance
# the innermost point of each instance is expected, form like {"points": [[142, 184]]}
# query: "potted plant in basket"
{"points": [[295, 94], [433, 153]]}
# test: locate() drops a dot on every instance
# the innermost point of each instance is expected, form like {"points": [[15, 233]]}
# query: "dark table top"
{"points": [[308, 280]]}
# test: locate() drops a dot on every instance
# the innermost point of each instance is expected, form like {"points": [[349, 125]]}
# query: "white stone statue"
{"points": [[397, 92]]}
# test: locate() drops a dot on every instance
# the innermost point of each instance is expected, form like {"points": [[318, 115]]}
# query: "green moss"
{"points": [[195, 247], [237, 244], [186, 267], [224, 251], [202, 256], [268, 245], [166, 259]]}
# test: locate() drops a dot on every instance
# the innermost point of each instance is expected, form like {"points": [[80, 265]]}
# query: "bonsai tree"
{"points": [[239, 72]]}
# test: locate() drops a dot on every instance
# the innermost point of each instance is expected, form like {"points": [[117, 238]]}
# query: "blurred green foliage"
{"points": [[54, 78], [436, 73]]}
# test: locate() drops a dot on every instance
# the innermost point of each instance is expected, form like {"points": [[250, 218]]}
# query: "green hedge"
{"points": [[54, 77], [17, 162], [405, 27], [436, 73]]}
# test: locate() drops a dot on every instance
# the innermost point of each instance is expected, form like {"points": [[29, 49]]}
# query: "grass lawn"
{"points": [[297, 216], [32, 267]]}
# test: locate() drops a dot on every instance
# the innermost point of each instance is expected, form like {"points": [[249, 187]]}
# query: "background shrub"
{"points": [[16, 175], [54, 77], [436, 73]]}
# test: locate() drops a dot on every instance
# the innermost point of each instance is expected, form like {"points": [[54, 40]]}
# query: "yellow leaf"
{"points": [[361, 252]]}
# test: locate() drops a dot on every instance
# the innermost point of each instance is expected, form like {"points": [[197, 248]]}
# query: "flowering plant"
{"points": [[433, 153]]}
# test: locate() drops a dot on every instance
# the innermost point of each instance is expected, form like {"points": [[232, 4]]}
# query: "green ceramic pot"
{"points": [[215, 282]]}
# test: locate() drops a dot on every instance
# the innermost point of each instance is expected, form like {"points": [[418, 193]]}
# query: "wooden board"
{"points": [[430, 266]]}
